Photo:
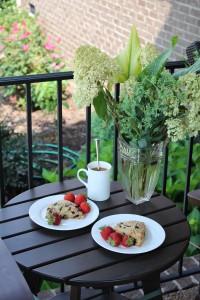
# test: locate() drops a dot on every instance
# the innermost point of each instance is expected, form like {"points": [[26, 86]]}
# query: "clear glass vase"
{"points": [[139, 170]]}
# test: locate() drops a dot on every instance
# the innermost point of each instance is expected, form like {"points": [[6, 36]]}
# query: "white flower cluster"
{"points": [[147, 55], [92, 68]]}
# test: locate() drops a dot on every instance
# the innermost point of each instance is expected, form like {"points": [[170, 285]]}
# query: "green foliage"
{"points": [[157, 65], [194, 221], [177, 165], [49, 285], [49, 176], [155, 106], [128, 58], [14, 149], [4, 4], [99, 130], [25, 49]]}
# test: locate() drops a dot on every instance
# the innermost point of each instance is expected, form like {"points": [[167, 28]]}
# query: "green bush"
{"points": [[25, 49], [177, 165], [14, 149]]}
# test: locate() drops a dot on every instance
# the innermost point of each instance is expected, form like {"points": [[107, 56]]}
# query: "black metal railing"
{"points": [[59, 77]]}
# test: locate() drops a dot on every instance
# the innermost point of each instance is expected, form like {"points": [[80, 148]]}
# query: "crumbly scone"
{"points": [[133, 229], [66, 209]]}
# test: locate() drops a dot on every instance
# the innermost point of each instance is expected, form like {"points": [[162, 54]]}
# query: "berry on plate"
{"points": [[127, 241], [85, 207], [53, 218], [106, 231], [115, 239], [79, 199], [69, 196]]}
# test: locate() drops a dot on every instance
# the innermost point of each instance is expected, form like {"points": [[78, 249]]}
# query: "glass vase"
{"points": [[139, 170]]}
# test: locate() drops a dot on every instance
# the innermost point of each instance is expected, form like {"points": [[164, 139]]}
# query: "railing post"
{"points": [[2, 195], [188, 173], [115, 150], [59, 124], [29, 135], [88, 134]]}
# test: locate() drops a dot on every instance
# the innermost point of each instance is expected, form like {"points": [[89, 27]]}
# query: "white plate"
{"points": [[37, 213], [154, 236]]}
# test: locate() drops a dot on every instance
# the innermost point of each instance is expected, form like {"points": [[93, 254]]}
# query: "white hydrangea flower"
{"points": [[148, 54], [92, 69]]}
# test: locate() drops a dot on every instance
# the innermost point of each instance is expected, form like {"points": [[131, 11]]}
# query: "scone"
{"points": [[133, 229], [66, 209]]}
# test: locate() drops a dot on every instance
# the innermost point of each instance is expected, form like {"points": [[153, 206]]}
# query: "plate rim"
{"points": [[125, 250], [61, 228]]}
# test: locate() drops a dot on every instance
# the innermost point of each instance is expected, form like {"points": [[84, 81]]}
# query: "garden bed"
{"points": [[43, 124]]}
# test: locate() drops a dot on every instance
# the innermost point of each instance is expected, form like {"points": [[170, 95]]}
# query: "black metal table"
{"points": [[73, 257]]}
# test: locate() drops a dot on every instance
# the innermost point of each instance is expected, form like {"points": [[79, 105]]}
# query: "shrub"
{"points": [[25, 49], [14, 149]]}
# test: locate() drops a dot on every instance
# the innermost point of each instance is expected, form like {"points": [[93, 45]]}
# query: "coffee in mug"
{"points": [[98, 180], [99, 169]]}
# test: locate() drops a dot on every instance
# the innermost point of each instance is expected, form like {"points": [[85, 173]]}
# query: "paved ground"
{"points": [[182, 289]]}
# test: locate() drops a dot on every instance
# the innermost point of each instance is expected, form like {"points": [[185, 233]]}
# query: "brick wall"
{"points": [[107, 23]]}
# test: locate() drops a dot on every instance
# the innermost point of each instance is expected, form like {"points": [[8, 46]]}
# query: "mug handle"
{"points": [[79, 178]]}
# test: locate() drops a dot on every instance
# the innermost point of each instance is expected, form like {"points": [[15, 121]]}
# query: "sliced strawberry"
{"points": [[54, 218], [85, 207], [115, 239], [69, 196], [79, 199], [127, 241], [106, 231]]}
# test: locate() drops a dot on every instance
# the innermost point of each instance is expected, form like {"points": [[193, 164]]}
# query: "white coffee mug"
{"points": [[98, 183]]}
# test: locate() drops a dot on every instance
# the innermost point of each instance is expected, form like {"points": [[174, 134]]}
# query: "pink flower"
{"points": [[16, 27], [1, 28], [56, 67], [2, 55], [25, 47], [59, 40], [53, 64], [24, 23], [13, 37], [55, 56], [62, 64], [24, 35], [49, 46], [1, 47]]}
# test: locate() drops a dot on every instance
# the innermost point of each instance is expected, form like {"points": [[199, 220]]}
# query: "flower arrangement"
{"points": [[154, 104]]}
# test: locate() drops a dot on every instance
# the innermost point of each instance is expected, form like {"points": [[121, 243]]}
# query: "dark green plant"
{"points": [[194, 221], [7, 3], [99, 130], [25, 49], [177, 165], [14, 150]]}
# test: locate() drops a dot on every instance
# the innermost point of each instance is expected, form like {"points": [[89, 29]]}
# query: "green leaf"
{"points": [[49, 175], [65, 104], [142, 143], [158, 64], [128, 58], [100, 105], [194, 68]]}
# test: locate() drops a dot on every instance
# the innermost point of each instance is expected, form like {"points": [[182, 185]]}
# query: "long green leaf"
{"points": [[100, 105], [158, 64], [194, 68], [128, 58]]}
